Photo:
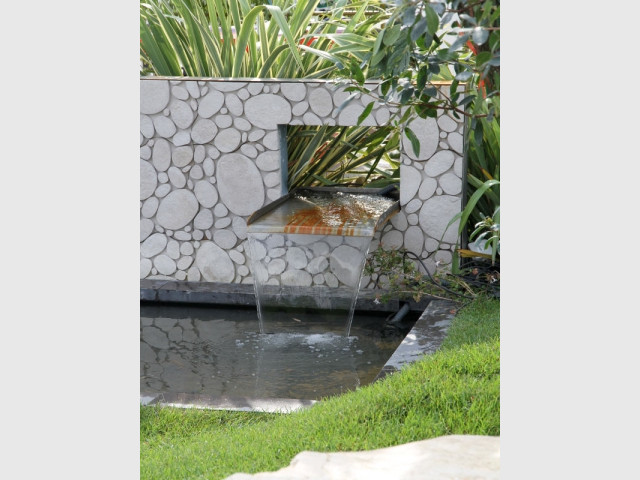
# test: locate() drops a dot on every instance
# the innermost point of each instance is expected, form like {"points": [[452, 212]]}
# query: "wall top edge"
{"points": [[266, 80]]}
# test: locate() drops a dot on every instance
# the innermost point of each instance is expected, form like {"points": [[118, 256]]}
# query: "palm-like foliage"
{"points": [[232, 38], [332, 155]]}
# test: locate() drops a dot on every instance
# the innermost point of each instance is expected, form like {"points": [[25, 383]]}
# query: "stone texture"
{"points": [[210, 104], [164, 126], [240, 184], [163, 190], [228, 140], [149, 207], [239, 226], [179, 92], [161, 155], [177, 209], [196, 172], [331, 280], [203, 220], [225, 120], [446, 123], [176, 177], [148, 180], [450, 183], [392, 240], [183, 137], [182, 156], [414, 240], [192, 88], [249, 150], [164, 264], [409, 183], [344, 263], [426, 130], [237, 257], [320, 102], [268, 161], [208, 167], [146, 228], [272, 140], [427, 188], [317, 265], [242, 124], [154, 96], [153, 245], [439, 163], [205, 193], [436, 213], [214, 263], [276, 266], [267, 111], [296, 258], [181, 114], [294, 91], [203, 131], [225, 239], [234, 104], [399, 221], [413, 206], [145, 267], [349, 116], [451, 457], [300, 108], [456, 142], [296, 278], [146, 126], [145, 152]]}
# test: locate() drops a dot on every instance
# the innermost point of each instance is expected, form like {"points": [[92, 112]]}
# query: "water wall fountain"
{"points": [[295, 238]]}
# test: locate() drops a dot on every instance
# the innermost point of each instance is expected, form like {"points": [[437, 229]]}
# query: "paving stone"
{"points": [[452, 457]]}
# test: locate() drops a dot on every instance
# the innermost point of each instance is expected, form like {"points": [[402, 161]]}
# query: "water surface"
{"points": [[220, 352]]}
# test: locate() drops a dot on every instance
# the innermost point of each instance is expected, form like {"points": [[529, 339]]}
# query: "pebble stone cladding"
{"points": [[210, 155]]}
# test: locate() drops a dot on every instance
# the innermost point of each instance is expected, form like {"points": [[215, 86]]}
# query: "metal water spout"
{"points": [[308, 250]]}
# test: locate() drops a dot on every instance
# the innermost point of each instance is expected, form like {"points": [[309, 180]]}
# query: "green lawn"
{"points": [[454, 391]]}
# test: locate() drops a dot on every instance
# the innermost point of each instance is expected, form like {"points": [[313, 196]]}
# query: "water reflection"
{"points": [[220, 352]]}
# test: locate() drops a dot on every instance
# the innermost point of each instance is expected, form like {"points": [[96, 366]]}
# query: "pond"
{"points": [[218, 352]]}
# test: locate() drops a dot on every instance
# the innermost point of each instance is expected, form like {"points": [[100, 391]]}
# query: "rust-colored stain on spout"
{"points": [[320, 212], [334, 219]]}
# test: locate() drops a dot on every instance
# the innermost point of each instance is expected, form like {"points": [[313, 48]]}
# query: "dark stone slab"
{"points": [[424, 338], [174, 291]]}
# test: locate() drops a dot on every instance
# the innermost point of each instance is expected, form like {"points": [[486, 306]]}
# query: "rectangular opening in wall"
{"points": [[344, 156]]}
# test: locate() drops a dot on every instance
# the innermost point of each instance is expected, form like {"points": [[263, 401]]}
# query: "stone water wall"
{"points": [[210, 156]]}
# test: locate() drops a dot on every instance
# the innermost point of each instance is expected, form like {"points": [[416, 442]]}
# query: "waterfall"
{"points": [[308, 250]]}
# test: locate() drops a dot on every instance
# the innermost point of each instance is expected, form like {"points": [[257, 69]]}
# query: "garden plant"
{"points": [[409, 46]]}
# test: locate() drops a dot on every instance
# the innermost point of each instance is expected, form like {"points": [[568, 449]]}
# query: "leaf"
{"points": [[482, 58], [415, 143], [391, 35], [409, 16], [418, 29], [422, 77], [479, 35], [357, 73], [459, 43], [464, 76], [365, 113], [468, 18], [433, 21]]}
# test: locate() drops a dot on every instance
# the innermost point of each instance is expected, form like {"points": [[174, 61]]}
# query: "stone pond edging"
{"points": [[210, 155]]}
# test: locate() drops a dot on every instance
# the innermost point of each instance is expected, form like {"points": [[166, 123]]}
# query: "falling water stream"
{"points": [[304, 246]]}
